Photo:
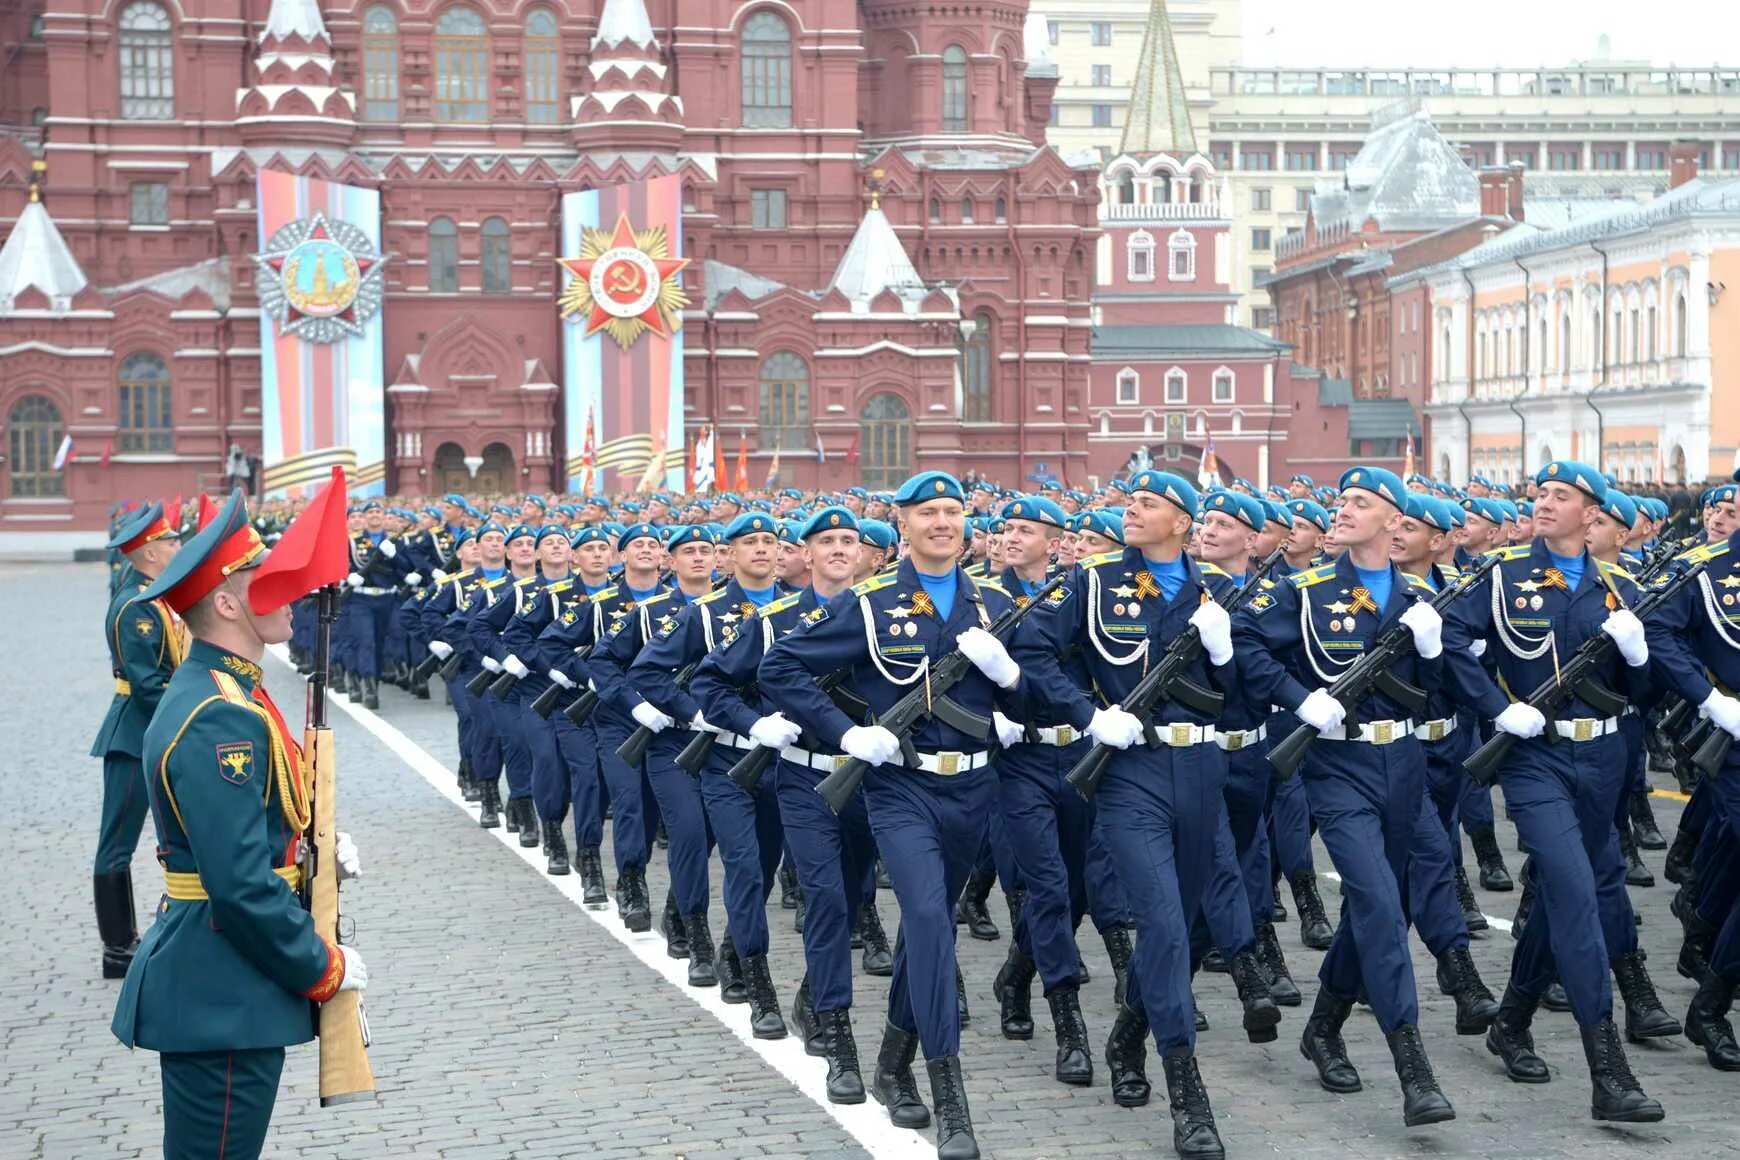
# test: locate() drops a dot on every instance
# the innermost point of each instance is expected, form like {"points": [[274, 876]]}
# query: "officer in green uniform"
{"points": [[145, 644], [222, 982]]}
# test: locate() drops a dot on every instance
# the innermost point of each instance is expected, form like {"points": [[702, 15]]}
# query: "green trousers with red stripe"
{"points": [[217, 1105]]}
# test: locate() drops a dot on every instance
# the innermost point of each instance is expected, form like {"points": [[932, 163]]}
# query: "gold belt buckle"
{"points": [[1180, 735], [1066, 734], [1235, 740], [948, 764], [1434, 731], [1583, 729], [840, 760], [1383, 732]]}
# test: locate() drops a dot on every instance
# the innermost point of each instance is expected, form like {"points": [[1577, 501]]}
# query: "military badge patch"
{"points": [[816, 615], [1261, 602], [145, 626], [236, 761]]}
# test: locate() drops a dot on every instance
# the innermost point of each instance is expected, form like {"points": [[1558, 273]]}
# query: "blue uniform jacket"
{"points": [[373, 565], [520, 637], [617, 652], [725, 684], [697, 630], [485, 626], [1694, 639], [583, 621]]}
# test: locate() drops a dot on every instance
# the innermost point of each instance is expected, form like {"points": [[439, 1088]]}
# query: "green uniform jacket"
{"points": [[144, 646], [237, 970]]}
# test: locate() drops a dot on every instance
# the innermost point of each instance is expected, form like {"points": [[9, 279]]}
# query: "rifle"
{"points": [[1575, 678], [546, 702], [345, 1074], [1372, 671], [906, 714], [503, 685], [580, 711], [633, 750], [1166, 681], [479, 684], [749, 768]]}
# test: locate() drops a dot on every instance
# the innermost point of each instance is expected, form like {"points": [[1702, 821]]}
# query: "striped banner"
{"points": [[631, 391], [321, 403]]}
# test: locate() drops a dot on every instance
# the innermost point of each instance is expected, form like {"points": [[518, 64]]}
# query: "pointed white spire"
{"points": [[1036, 46], [294, 18], [1159, 118], [625, 21], [35, 256], [875, 261]]}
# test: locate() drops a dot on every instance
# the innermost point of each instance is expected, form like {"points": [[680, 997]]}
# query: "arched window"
{"points": [[1223, 386], [1126, 188], [542, 56], [966, 211], [766, 72], [936, 209], [461, 67], [1002, 210], [1617, 353], [785, 403], [885, 432], [977, 369], [443, 256], [33, 434], [147, 59], [380, 60], [498, 275], [1181, 256], [146, 416], [1594, 336], [1651, 330], [1141, 253], [954, 89], [1680, 345], [1176, 385], [1129, 387]]}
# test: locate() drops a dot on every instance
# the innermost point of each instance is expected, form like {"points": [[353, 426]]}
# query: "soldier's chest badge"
{"points": [[236, 761]]}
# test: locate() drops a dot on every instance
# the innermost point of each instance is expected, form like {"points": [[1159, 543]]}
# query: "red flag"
{"points": [[108, 450], [718, 461], [313, 551], [852, 451], [742, 461], [208, 512]]}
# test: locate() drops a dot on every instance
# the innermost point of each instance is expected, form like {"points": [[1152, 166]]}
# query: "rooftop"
{"points": [[35, 256]]}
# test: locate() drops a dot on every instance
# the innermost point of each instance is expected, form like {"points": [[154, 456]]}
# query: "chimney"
{"points": [[1683, 161], [1514, 191], [1494, 192]]}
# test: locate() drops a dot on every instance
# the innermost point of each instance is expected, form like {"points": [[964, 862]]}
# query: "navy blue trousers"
{"points": [[747, 829], [578, 745], [368, 619], [630, 831], [1047, 825], [1448, 783], [835, 860], [679, 798], [1106, 900], [516, 750]]}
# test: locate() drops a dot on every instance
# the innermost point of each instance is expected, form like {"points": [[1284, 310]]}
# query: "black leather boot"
{"points": [[1678, 868], [788, 885], [1525, 903], [468, 787], [1075, 1065], [1214, 963], [1472, 918], [807, 1021], [733, 985], [1013, 988], [1314, 929], [117, 925], [1694, 958], [1645, 1017], [765, 1021], [954, 1121], [1422, 1101], [1119, 950], [1636, 873], [878, 960], [1261, 1013], [592, 878], [1281, 986], [489, 807], [1510, 1038], [1127, 1057], [972, 911], [1015, 900], [371, 693], [353, 687], [701, 970], [632, 901], [1616, 1096], [1194, 1136], [845, 1079], [1554, 998], [529, 835], [1459, 978], [671, 925], [1323, 1046], [893, 1085], [1200, 1019], [555, 849], [1493, 874], [1707, 1023], [1643, 822]]}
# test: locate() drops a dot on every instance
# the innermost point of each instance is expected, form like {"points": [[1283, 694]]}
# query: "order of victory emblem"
{"points": [[625, 283], [320, 279]]}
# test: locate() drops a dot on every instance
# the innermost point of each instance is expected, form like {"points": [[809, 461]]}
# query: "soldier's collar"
{"points": [[203, 652]]}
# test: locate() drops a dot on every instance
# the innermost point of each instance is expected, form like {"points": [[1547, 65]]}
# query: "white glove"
{"points": [[439, 576], [354, 579], [1009, 733], [1520, 720], [491, 664], [356, 972], [1215, 627], [516, 666], [349, 864], [698, 722], [389, 549], [561, 678], [1428, 629], [1627, 633], [441, 649], [1478, 648], [1723, 710], [871, 744], [774, 732], [648, 715], [1115, 727], [989, 657], [413, 578], [1321, 711]]}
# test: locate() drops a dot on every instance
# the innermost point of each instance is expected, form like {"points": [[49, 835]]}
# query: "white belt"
{"points": [[735, 740], [373, 591], [1177, 735], [1586, 728], [826, 762], [1234, 740], [949, 764], [1435, 730], [1372, 732], [1059, 735]]}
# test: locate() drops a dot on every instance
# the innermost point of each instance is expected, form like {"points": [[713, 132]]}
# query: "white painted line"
{"points": [[867, 1122], [1502, 925]]}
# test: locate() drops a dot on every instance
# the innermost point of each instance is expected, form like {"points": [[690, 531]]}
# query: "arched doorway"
{"points": [[885, 430], [496, 476], [451, 474], [33, 433]]}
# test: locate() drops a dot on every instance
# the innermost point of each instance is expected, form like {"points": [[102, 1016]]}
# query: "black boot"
{"points": [[1472, 918], [1118, 949], [489, 805], [733, 986], [1075, 1066], [1510, 1039], [1525, 903], [1323, 1046], [858, 930], [1694, 957], [1679, 857], [353, 688], [556, 849], [420, 690], [1197, 1016], [1281, 986], [883, 882], [893, 1085], [1082, 976], [117, 924], [1493, 874], [1194, 1136], [788, 885], [632, 901], [591, 878], [1261, 1014], [954, 1121], [1636, 873], [1554, 998], [701, 970], [1645, 1017], [1422, 1101], [972, 911], [1314, 929], [966, 1016], [1460, 979], [764, 1018], [468, 787], [1214, 962], [1013, 989], [807, 1021], [1127, 1057], [1707, 1023], [1643, 822], [878, 960], [371, 693], [671, 925], [1617, 1096], [845, 1080], [1015, 900], [529, 836]]}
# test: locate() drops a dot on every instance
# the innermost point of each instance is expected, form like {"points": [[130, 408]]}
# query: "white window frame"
{"points": [[1141, 243], [1180, 241], [1128, 377], [1177, 375], [1223, 375]]}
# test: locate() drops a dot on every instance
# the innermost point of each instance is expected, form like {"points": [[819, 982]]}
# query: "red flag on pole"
{"points": [[207, 512], [314, 551], [108, 450], [718, 460], [742, 460], [852, 451]]}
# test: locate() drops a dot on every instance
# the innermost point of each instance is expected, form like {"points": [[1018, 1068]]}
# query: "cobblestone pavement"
{"points": [[509, 1022]]}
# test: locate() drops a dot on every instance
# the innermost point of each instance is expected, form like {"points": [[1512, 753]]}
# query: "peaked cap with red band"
{"points": [[140, 528], [224, 546]]}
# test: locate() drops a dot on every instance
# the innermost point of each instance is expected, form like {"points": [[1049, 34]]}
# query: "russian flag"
{"points": [[64, 454]]}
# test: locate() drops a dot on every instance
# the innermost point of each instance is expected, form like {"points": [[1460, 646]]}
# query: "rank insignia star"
{"points": [[1339, 607], [898, 612], [1528, 585], [1124, 590], [1729, 581]]}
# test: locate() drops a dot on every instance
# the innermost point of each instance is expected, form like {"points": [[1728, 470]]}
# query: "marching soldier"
{"points": [[484, 627], [375, 573]]}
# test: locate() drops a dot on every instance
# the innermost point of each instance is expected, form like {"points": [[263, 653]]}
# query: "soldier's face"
{"points": [[553, 551], [1150, 521], [793, 566], [854, 505], [1068, 548], [642, 553], [1225, 540], [469, 554], [755, 557], [593, 557], [522, 550], [1027, 543], [1414, 542], [1525, 529], [869, 559], [491, 549], [693, 562], [935, 530], [1303, 539], [1364, 516], [1718, 519], [834, 554], [1606, 535], [1269, 539], [1092, 544], [374, 520], [1563, 510]]}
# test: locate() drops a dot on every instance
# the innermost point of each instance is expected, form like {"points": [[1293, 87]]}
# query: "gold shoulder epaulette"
{"points": [[1704, 552], [560, 586], [712, 596], [780, 605], [878, 581], [604, 594], [1418, 581], [993, 585], [524, 580], [1511, 551], [1102, 558], [1615, 570], [1208, 569], [1312, 576]]}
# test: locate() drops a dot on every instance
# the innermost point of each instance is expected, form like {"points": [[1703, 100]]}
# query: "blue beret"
{"points": [[492, 526], [591, 535], [1275, 513], [549, 530], [996, 526], [374, 505], [760, 505], [1480, 479], [1241, 481], [967, 533], [1050, 483], [536, 501], [463, 536], [1036, 509], [1578, 475], [519, 530], [432, 510], [1506, 507], [1172, 488], [860, 493], [1658, 509], [728, 497], [1305, 509], [1525, 509], [929, 485], [749, 523], [635, 532], [877, 532], [630, 507], [1304, 479], [1432, 511], [691, 534], [1247, 510], [1103, 522], [1380, 481], [1118, 485], [454, 498], [1416, 477], [1620, 506]]}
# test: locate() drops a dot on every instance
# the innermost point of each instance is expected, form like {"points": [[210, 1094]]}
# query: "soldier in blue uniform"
{"points": [[375, 571], [223, 979], [1365, 780], [1532, 612], [145, 644], [459, 600], [484, 627]]}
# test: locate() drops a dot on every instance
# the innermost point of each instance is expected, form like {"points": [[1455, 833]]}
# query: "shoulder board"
{"points": [[496, 583], [228, 688], [524, 580], [1266, 584], [1102, 558], [463, 574], [664, 594], [1450, 572], [1704, 552], [1208, 569], [560, 586], [1512, 552], [1418, 582], [713, 595], [1615, 570], [1312, 576], [604, 594], [982, 582], [780, 605], [878, 581]]}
